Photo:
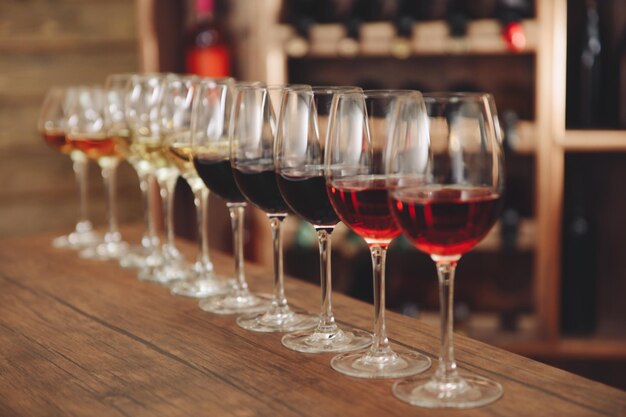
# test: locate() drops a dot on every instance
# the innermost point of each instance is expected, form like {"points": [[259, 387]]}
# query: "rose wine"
{"points": [[56, 139], [362, 205], [258, 185], [446, 221], [218, 177], [95, 146], [307, 197]]}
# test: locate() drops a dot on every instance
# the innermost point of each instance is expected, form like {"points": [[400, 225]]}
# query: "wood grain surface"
{"points": [[82, 338]]}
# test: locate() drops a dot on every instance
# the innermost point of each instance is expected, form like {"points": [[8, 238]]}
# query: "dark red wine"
{"points": [[218, 177], [260, 188], [362, 204], [307, 197], [446, 221]]}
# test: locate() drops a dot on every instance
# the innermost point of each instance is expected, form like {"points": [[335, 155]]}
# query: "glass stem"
{"points": [[148, 239], [201, 201], [151, 212], [166, 189], [81, 169], [236, 211], [109, 169], [381, 342], [327, 319], [279, 301], [446, 371]]}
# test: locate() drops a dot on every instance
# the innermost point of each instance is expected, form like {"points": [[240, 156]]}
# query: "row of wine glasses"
{"points": [[384, 162]]}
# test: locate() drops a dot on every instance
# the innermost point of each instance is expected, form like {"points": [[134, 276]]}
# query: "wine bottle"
{"points": [[590, 81], [622, 83], [207, 52], [408, 13], [301, 15], [510, 13], [578, 281]]}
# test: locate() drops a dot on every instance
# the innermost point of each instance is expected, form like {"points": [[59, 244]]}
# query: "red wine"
{"points": [[307, 197], [446, 221], [260, 188], [362, 205], [218, 177]]}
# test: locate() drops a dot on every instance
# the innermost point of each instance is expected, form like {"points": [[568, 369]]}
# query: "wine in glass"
{"points": [[87, 129], [446, 195], [143, 95], [176, 112], [117, 88], [252, 161], [51, 126], [299, 161], [211, 122], [355, 160]]}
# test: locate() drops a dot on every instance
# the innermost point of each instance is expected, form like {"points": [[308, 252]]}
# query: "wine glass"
{"points": [[210, 126], [172, 119], [176, 113], [116, 87], [51, 126], [446, 195], [252, 162], [87, 129], [299, 163], [143, 95], [358, 138]]}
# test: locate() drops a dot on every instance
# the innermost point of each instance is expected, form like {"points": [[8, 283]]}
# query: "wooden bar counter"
{"points": [[86, 338]]}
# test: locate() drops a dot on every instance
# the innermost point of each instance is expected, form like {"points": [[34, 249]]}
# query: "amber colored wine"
{"points": [[258, 185], [218, 177], [307, 197], [181, 155], [123, 145], [56, 139], [95, 146], [445, 221], [362, 204]]}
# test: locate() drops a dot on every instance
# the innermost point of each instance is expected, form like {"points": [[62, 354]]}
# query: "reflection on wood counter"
{"points": [[80, 337]]}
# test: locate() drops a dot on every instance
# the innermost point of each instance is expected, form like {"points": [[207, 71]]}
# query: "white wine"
{"points": [[182, 157], [150, 150]]}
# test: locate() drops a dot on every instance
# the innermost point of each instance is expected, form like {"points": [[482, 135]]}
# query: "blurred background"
{"points": [[550, 279]]}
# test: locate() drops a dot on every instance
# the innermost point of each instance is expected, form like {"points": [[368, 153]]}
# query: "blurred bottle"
{"points": [[590, 78], [510, 217], [457, 16], [510, 14], [622, 83], [207, 52], [301, 15], [406, 16], [579, 260]]}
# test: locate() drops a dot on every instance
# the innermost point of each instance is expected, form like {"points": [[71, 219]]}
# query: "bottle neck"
{"points": [[205, 9]]}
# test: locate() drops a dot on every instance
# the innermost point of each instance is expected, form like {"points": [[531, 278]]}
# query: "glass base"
{"points": [[164, 274], [387, 364], [135, 257], [278, 320], [206, 285], [83, 237], [324, 341], [467, 391], [105, 251], [233, 303]]}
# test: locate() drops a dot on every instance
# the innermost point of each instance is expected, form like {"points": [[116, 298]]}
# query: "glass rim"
{"points": [[456, 95]]}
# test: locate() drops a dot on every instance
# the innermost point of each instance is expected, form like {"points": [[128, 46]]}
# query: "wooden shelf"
{"points": [[594, 140], [378, 39]]}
